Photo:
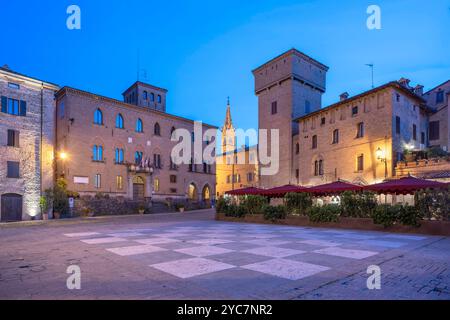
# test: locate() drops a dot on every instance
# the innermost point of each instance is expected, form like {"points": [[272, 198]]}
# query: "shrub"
{"points": [[410, 216], [325, 213], [274, 213], [298, 203], [358, 205], [386, 214], [222, 205], [234, 210], [254, 204], [433, 204], [60, 199]]}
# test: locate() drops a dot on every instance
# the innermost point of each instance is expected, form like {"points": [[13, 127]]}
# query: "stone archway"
{"points": [[192, 192], [138, 188], [206, 195]]}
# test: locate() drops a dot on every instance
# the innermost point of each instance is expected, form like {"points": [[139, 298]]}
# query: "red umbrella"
{"points": [[405, 185], [334, 188], [279, 192], [244, 191]]}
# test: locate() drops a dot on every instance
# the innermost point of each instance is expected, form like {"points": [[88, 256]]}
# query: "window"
{"points": [[360, 163], [97, 153], [228, 179], [307, 107], [14, 107], [119, 156], [98, 117], [12, 169], [414, 132], [159, 98], [250, 176], [145, 95], [119, 182], [157, 129], [138, 157], [119, 121], [172, 131], [173, 178], [13, 138], [172, 165], [193, 137], [297, 173], [157, 161], [314, 142], [274, 107], [360, 130], [173, 190], [156, 185], [397, 125], [335, 136], [139, 126], [422, 138], [434, 130], [439, 96], [205, 167], [397, 97], [98, 181], [354, 111], [13, 85], [297, 148], [61, 110], [323, 121], [152, 97], [318, 167]]}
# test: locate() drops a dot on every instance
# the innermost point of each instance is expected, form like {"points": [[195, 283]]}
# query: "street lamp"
{"points": [[63, 155], [381, 155]]}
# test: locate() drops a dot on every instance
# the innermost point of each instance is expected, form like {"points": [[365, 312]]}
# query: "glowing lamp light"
{"points": [[380, 154], [63, 156]]}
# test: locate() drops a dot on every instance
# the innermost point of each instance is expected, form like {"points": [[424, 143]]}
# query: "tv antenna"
{"points": [[371, 65]]}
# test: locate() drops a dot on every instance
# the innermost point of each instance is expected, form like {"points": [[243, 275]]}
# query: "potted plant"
{"points": [[180, 207], [87, 212], [408, 155], [141, 209], [43, 204], [60, 199]]}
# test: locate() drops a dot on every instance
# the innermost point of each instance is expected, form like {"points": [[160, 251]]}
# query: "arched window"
{"points": [[152, 97], [157, 129], [192, 192], [119, 121], [138, 157], [156, 185], [145, 95], [98, 117], [336, 136], [318, 167], [159, 98], [360, 130], [139, 126], [314, 142], [97, 153], [297, 148], [119, 156]]}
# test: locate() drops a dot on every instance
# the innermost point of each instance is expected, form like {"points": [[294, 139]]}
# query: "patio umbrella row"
{"points": [[404, 185]]}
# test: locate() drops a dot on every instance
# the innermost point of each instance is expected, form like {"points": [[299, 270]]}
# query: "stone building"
{"points": [[359, 138], [27, 138], [236, 168], [124, 149]]}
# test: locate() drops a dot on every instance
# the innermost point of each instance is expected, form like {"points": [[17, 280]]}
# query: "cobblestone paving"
{"points": [[191, 256]]}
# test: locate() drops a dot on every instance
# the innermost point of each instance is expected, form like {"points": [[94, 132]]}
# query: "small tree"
{"points": [[60, 198], [298, 203], [254, 204]]}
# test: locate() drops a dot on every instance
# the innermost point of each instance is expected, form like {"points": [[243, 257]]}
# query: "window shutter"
{"points": [[23, 108], [4, 103], [16, 138]]}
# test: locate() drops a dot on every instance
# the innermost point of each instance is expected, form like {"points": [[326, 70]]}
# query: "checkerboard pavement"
{"points": [[278, 252]]}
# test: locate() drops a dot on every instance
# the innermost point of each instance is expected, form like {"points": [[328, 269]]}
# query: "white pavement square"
{"points": [[203, 251], [103, 240], [156, 240], [81, 234], [274, 252], [133, 250], [187, 268], [322, 243], [267, 242], [287, 269], [210, 242], [346, 253]]}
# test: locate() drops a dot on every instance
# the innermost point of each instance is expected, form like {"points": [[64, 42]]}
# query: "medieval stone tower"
{"points": [[288, 86], [228, 132]]}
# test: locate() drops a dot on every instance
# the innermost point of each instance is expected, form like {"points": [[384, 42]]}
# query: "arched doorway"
{"points": [[192, 192], [138, 188], [11, 207], [206, 195]]}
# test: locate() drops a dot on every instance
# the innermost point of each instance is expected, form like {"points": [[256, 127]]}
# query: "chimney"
{"points": [[344, 96], [418, 90], [5, 66], [404, 82]]}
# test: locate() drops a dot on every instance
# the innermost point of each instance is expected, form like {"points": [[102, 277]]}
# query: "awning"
{"points": [[279, 192], [244, 191], [332, 188], [405, 185]]}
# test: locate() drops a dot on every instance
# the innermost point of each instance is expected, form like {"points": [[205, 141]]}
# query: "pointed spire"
{"points": [[228, 122]]}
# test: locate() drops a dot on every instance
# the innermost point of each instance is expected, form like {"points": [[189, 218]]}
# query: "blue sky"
{"points": [[204, 51]]}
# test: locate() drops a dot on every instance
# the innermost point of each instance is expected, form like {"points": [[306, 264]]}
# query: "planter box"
{"points": [[427, 227]]}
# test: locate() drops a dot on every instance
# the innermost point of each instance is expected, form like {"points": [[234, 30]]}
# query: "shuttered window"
{"points": [[434, 130], [13, 138], [13, 106], [12, 169]]}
